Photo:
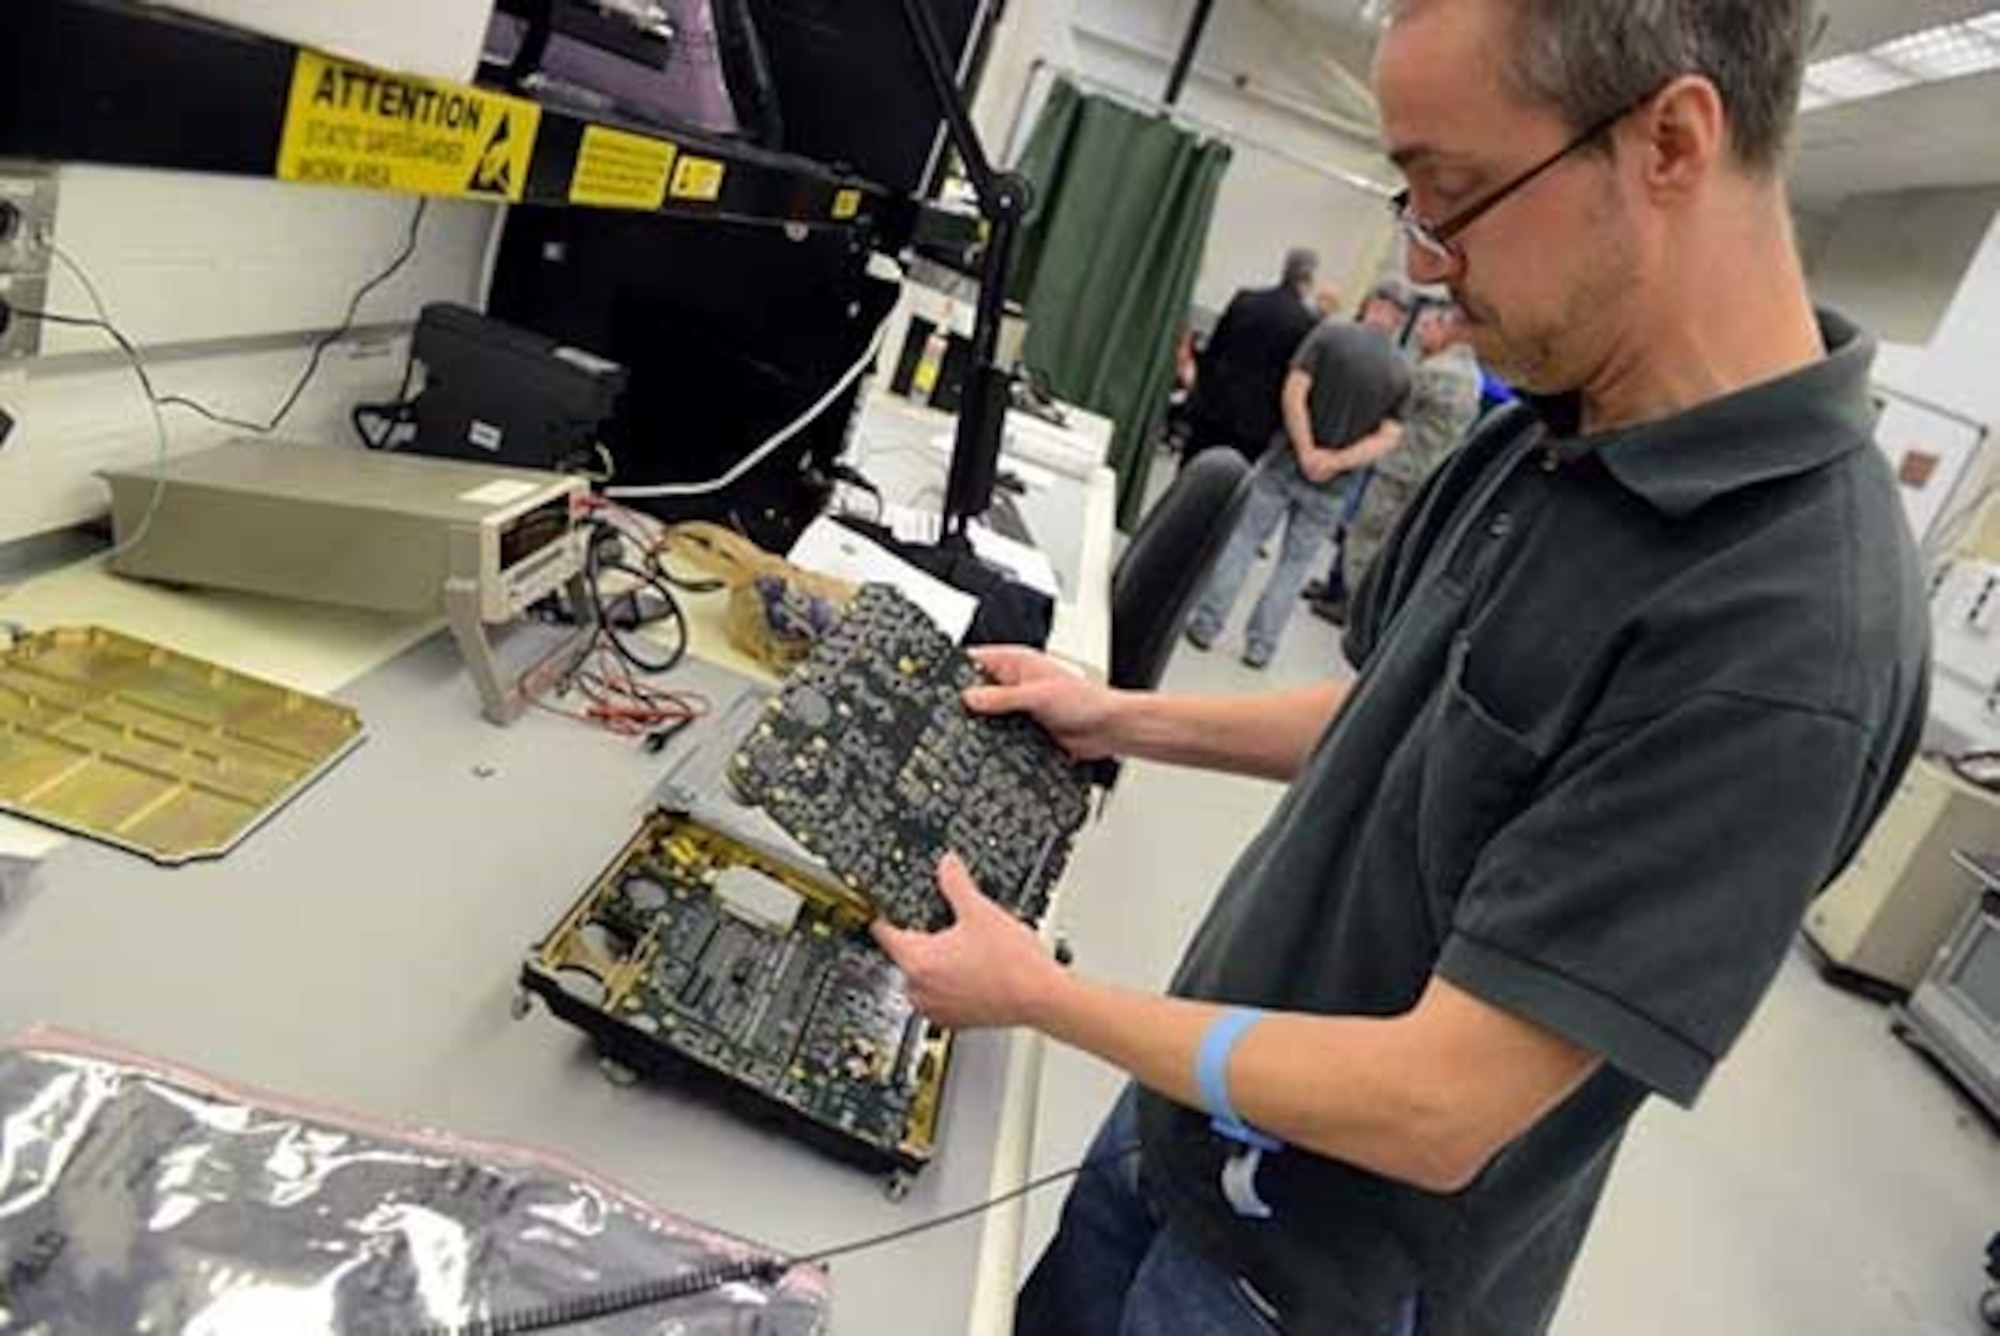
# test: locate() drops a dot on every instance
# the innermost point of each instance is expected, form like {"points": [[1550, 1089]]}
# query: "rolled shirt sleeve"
{"points": [[1641, 903]]}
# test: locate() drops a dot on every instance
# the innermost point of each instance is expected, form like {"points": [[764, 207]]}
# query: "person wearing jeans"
{"points": [[1444, 404], [1310, 514], [1632, 682], [1115, 1267], [1346, 384]]}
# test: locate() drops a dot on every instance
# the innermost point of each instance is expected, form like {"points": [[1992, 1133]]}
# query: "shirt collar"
{"points": [[1783, 427]]}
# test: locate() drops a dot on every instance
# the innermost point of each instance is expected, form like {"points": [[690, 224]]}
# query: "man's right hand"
{"points": [[1077, 711]]}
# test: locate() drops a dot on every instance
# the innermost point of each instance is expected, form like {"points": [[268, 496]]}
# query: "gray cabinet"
{"points": [[1955, 1013], [1885, 915]]}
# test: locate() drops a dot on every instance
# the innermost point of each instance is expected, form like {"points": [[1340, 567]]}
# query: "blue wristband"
{"points": [[1211, 1074]]}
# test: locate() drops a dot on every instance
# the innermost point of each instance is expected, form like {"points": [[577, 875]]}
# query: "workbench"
{"points": [[361, 949]]}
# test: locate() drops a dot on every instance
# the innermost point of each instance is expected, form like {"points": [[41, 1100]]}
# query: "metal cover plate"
{"points": [[155, 751]]}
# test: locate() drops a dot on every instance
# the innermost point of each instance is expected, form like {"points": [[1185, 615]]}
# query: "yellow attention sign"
{"points": [[846, 204], [353, 125], [616, 170], [698, 178]]}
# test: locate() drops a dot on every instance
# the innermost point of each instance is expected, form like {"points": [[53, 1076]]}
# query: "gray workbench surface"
{"points": [[361, 949]]}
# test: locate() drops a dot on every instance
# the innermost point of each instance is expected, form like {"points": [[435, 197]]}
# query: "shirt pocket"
{"points": [[1478, 772]]}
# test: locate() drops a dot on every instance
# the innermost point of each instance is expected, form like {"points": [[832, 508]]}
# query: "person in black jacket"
{"points": [[1242, 370]]}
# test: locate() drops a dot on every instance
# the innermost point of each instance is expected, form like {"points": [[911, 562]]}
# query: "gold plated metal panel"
{"points": [[136, 745]]}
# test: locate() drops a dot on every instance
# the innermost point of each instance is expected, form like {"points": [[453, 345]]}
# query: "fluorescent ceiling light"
{"points": [[1851, 78], [1947, 51]]}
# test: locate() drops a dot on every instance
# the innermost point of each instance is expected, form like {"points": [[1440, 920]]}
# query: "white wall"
{"points": [[1960, 366], [1287, 101], [224, 282], [1894, 262], [1267, 204], [1257, 43], [1956, 368], [440, 38], [1031, 31], [1956, 373]]}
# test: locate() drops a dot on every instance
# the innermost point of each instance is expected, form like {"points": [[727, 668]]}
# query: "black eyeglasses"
{"points": [[1435, 239]]}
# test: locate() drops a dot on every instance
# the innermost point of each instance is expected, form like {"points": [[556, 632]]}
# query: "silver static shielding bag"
{"points": [[137, 1197]]}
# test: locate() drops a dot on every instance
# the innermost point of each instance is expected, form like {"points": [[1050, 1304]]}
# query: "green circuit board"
{"points": [[700, 951]]}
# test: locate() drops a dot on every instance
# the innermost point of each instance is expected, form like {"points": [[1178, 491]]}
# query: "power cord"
{"points": [[608, 663], [860, 482], [613, 698], [102, 322], [624, 612], [155, 401], [395, 414], [649, 536], [766, 1270], [313, 359], [936, 1222]]}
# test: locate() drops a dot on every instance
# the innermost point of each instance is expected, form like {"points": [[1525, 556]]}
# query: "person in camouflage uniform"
{"points": [[1443, 404]]}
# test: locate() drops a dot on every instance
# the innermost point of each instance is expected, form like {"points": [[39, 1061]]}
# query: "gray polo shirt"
{"points": [[1626, 703], [1443, 405], [1358, 379]]}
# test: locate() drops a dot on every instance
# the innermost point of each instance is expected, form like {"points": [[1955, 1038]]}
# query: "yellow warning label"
{"points": [[616, 170], [846, 204], [698, 178], [353, 125]]}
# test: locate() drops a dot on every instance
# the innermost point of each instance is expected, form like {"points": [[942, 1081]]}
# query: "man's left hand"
{"points": [[988, 969], [1322, 466]]}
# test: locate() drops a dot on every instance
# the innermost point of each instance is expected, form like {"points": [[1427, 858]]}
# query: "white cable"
{"points": [[138, 535], [770, 446]]}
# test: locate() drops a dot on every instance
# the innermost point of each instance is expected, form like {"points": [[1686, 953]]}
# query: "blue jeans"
{"points": [[1113, 1270], [1311, 513]]}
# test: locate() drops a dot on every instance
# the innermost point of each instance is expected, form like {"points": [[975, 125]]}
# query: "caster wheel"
{"points": [[617, 1072], [523, 1003], [898, 1186], [1989, 1308]]}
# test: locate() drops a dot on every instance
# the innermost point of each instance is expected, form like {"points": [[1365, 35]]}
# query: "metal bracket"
{"points": [[501, 699]]}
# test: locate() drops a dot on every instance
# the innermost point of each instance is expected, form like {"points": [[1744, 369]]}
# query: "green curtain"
{"points": [[1107, 262]]}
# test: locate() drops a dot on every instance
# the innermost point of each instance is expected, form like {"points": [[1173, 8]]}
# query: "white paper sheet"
{"points": [[835, 550], [1023, 564], [1027, 565], [911, 524]]}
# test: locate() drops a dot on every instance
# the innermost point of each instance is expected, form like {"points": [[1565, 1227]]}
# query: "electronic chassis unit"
{"points": [[386, 532], [726, 943]]}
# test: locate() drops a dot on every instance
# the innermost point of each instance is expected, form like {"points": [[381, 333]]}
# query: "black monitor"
{"points": [[851, 86], [727, 333]]}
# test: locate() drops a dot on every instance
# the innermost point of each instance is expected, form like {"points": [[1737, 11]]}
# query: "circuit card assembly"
{"points": [[869, 759], [695, 955], [726, 946]]}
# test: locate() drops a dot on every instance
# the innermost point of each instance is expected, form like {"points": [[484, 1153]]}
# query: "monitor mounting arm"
{"points": [[1003, 199]]}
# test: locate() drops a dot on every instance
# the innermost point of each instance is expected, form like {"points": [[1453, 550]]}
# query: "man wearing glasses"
{"points": [[1636, 672]]}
